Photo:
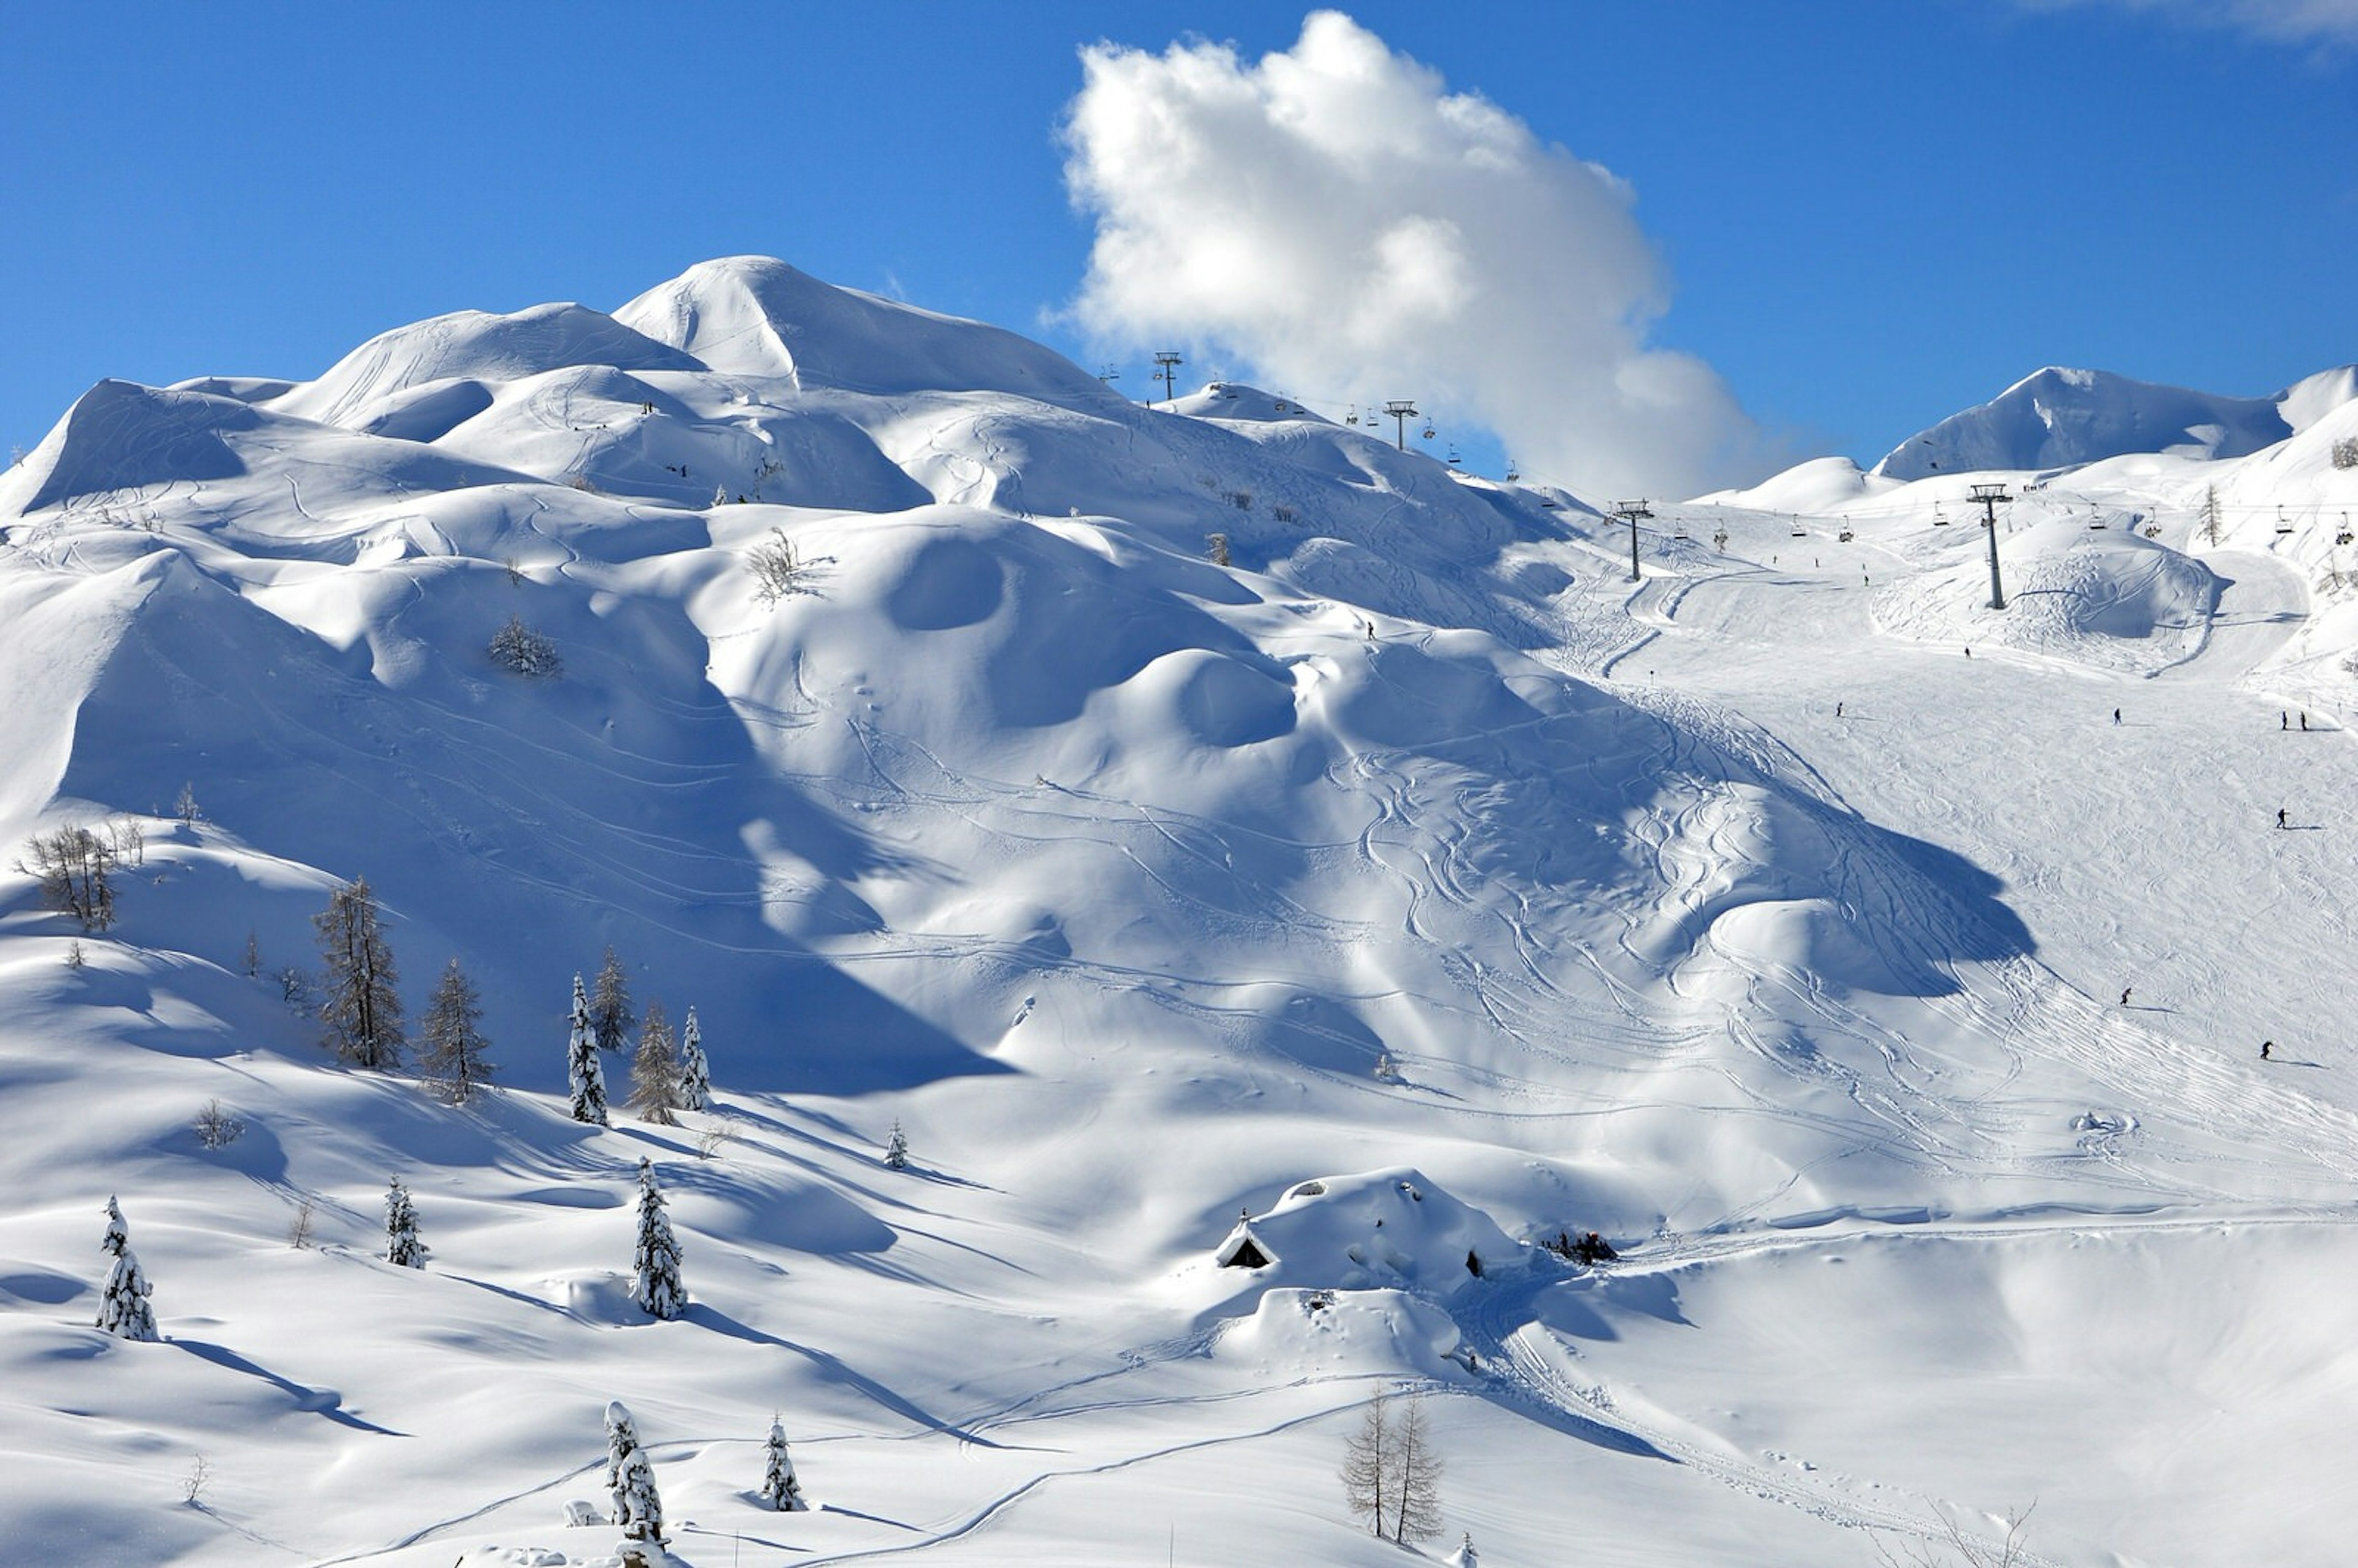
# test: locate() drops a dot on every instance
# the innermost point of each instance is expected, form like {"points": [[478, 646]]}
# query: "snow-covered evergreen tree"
{"points": [[123, 1308], [588, 1079], [655, 1070], [454, 1057], [1464, 1556], [402, 1247], [896, 1149], [631, 1479], [695, 1072], [610, 1005], [779, 1488], [358, 1006], [655, 1267]]}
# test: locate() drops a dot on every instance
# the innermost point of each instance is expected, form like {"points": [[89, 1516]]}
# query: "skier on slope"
{"points": [[2125, 996], [2281, 820], [2267, 1046]]}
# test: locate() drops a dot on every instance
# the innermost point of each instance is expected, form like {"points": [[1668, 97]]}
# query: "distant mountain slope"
{"points": [[2058, 419]]}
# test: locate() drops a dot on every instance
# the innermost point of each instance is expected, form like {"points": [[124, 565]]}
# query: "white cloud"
{"points": [[1335, 217], [2329, 23]]}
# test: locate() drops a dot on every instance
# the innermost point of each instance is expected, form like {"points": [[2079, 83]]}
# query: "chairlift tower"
{"points": [[1167, 372], [1630, 512], [1401, 414], [1987, 496]]}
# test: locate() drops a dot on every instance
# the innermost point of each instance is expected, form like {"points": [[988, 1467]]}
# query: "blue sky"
{"points": [[1872, 213]]}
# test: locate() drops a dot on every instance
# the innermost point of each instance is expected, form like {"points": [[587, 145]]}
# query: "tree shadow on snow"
{"points": [[324, 1402]]}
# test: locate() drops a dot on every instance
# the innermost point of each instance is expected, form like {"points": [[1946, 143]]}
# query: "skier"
{"points": [[1969, 653], [1837, 710], [2280, 817], [2283, 721], [2267, 1046], [2116, 716], [2125, 996], [2304, 722]]}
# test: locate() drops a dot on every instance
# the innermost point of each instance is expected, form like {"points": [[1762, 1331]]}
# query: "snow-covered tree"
{"points": [[610, 1005], [695, 1072], [1464, 1556], [402, 1247], [631, 1479], [123, 1308], [779, 1488], [587, 1078], [655, 1267], [453, 1055], [359, 1006], [896, 1149], [655, 1070]]}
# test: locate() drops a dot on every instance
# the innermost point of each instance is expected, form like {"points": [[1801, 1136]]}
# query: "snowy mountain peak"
{"points": [[2060, 417], [756, 316]]}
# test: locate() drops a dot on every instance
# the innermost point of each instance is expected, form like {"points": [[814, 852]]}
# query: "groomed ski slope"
{"points": [[1111, 873]]}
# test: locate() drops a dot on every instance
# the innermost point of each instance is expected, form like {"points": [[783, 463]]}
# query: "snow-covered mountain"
{"points": [[1160, 814], [2062, 418]]}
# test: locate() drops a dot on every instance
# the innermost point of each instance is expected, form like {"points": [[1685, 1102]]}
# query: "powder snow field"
{"points": [[1737, 914]]}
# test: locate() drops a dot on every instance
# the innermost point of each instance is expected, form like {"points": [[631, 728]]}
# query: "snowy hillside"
{"points": [[1278, 884], [2062, 418]]}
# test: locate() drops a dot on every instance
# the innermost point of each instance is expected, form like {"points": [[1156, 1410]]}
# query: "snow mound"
{"points": [[1347, 1332], [1380, 1230], [120, 436], [2312, 398], [1822, 484], [2106, 598], [1236, 401], [2060, 419], [755, 316], [477, 345]]}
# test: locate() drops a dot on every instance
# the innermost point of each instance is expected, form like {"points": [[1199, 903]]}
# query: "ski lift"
{"points": [[1800, 532], [1428, 432], [2284, 523], [1512, 475], [1550, 503], [1940, 518], [2344, 537], [1454, 459], [1719, 540], [1847, 534], [1353, 418], [2096, 519], [1280, 406]]}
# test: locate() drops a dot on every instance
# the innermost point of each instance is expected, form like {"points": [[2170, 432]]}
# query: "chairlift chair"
{"points": [[1940, 518], [1847, 534], [2284, 523], [1800, 532], [1679, 530], [1428, 432]]}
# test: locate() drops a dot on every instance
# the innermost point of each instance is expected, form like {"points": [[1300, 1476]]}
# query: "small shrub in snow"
{"points": [[778, 569], [655, 1267], [1950, 1547], [252, 963], [74, 959], [1283, 513], [1216, 549], [403, 1249], [185, 807], [2345, 452], [304, 1222], [193, 1484], [1386, 1071], [295, 988], [779, 1488], [124, 1310], [517, 647], [217, 1126], [896, 1149], [586, 1080]]}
